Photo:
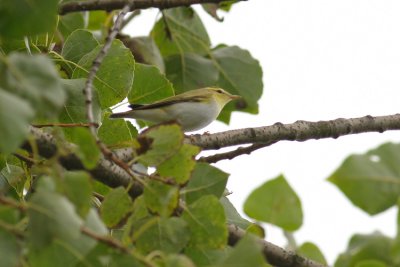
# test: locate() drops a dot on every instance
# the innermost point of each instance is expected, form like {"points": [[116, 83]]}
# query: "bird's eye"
{"points": [[220, 91]]}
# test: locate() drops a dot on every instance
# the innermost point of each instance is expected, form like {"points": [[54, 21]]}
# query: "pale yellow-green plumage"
{"points": [[193, 110]]}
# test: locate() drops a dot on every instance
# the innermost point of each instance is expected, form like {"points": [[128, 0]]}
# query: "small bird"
{"points": [[193, 110]]}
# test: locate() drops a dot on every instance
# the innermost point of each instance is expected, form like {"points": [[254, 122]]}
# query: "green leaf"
{"points": [[138, 222], [116, 133], [74, 110], [8, 45], [145, 51], [96, 256], [212, 9], [101, 188], [97, 19], [396, 244], [206, 257], [115, 76], [161, 198], [175, 260], [19, 18], [275, 202], [169, 235], [118, 259], [311, 251], [375, 173], [180, 166], [149, 85], [116, 206], [60, 253], [227, 5], [94, 223], [179, 31], [78, 189], [205, 180], [87, 149], [246, 253], [232, 215], [366, 247], [78, 44], [207, 223], [52, 216], [371, 263], [15, 177], [240, 74], [178, 260], [10, 249], [10, 246], [54, 229], [190, 71], [15, 116], [159, 143], [71, 22], [256, 230], [36, 80]]}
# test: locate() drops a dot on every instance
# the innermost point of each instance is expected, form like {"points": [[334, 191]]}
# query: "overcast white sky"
{"points": [[321, 60]]}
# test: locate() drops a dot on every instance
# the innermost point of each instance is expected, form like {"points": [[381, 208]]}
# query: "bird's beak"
{"points": [[235, 97]]}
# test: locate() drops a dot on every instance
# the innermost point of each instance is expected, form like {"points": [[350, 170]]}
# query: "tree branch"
{"points": [[112, 175], [135, 4], [66, 125], [109, 241], [106, 171], [234, 153], [298, 131], [275, 255], [88, 91]]}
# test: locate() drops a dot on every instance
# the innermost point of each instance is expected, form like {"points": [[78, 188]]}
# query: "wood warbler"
{"points": [[193, 110]]}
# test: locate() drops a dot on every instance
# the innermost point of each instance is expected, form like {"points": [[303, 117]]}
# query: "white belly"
{"points": [[194, 116]]}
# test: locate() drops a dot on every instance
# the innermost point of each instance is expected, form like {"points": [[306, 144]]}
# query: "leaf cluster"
{"points": [[51, 216]]}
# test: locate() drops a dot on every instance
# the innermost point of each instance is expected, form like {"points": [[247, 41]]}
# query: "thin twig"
{"points": [[130, 18], [114, 243], [109, 241], [12, 203], [234, 153], [292, 244], [88, 91], [135, 4], [29, 161], [94, 124], [11, 229]]}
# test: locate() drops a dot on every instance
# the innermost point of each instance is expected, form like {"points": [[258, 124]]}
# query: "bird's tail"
{"points": [[120, 115]]}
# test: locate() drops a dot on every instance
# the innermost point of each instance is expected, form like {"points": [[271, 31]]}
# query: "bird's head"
{"points": [[221, 96]]}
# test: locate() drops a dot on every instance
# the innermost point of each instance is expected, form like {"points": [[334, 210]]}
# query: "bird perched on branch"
{"points": [[193, 110]]}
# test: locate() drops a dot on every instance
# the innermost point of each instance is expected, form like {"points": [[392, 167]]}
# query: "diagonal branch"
{"points": [[275, 255], [297, 131], [106, 171], [88, 91], [135, 4], [112, 175], [234, 153]]}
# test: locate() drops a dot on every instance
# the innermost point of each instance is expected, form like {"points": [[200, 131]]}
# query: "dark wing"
{"points": [[165, 103]]}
